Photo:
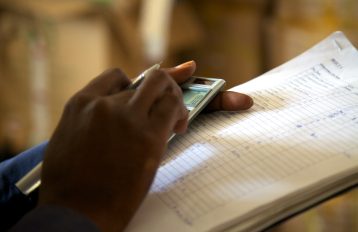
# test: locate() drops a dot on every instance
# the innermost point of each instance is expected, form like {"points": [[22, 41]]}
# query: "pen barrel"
{"points": [[31, 180]]}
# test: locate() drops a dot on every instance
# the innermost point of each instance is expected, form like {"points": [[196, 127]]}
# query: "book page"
{"points": [[302, 128]]}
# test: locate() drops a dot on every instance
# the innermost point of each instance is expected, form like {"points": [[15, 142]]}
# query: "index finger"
{"points": [[109, 82], [153, 87]]}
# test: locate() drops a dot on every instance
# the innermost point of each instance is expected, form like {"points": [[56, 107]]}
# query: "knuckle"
{"points": [[78, 101], [99, 106], [173, 99], [162, 78], [148, 138], [178, 91], [140, 129], [159, 76], [88, 105], [115, 72]]}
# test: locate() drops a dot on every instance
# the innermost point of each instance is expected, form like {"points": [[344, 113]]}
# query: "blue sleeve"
{"points": [[13, 204]]}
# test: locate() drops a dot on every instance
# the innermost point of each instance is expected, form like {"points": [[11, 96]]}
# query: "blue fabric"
{"points": [[13, 204]]}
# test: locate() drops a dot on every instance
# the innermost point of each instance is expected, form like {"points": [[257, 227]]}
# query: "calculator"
{"points": [[198, 92]]}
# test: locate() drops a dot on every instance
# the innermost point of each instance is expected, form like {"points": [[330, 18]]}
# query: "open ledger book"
{"points": [[244, 171]]}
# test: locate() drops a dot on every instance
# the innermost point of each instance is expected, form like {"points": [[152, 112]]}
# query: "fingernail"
{"points": [[186, 64], [249, 103]]}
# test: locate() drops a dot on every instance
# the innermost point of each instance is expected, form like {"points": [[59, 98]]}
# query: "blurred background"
{"points": [[49, 49]]}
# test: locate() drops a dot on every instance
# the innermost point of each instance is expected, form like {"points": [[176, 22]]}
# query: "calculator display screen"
{"points": [[203, 81], [193, 97]]}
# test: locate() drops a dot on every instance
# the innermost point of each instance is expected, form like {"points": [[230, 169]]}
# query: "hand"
{"points": [[108, 145], [103, 155], [225, 100]]}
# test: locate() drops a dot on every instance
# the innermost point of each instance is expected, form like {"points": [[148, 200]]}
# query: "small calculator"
{"points": [[198, 92]]}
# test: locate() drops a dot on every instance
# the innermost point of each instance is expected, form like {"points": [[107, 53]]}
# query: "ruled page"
{"points": [[300, 123]]}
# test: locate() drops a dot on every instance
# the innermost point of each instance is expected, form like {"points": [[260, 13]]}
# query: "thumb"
{"points": [[182, 72]]}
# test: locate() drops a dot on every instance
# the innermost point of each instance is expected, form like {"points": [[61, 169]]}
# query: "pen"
{"points": [[136, 82], [32, 179]]}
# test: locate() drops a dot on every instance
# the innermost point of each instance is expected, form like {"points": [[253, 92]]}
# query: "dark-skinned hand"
{"points": [[106, 149]]}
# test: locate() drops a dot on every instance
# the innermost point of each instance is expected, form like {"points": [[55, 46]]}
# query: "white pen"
{"points": [[136, 82], [32, 180]]}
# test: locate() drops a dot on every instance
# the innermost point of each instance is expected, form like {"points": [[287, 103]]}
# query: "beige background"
{"points": [[49, 49]]}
